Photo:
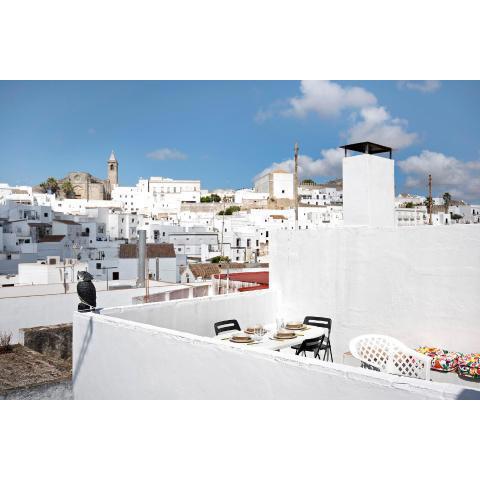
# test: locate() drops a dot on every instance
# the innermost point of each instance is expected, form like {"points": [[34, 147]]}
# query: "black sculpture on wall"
{"points": [[86, 292]]}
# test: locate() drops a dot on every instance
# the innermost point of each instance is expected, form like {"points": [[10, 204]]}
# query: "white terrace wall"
{"points": [[37, 310], [418, 284], [121, 359], [198, 315]]}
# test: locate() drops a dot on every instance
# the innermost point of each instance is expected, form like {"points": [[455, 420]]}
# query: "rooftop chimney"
{"points": [[142, 249], [368, 186]]}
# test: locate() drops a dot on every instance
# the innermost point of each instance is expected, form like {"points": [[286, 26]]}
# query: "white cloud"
{"points": [[460, 179], [328, 99], [424, 86], [328, 165], [372, 122], [377, 125], [167, 154], [264, 114]]}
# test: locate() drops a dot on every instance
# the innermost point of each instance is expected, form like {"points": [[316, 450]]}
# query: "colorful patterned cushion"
{"points": [[469, 365], [442, 360]]}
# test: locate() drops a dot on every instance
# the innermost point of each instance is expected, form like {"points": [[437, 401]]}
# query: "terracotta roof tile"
{"points": [[66, 222], [204, 270], [51, 238], [154, 250]]}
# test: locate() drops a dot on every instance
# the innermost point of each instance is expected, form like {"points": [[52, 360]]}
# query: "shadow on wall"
{"points": [[83, 350], [469, 395]]}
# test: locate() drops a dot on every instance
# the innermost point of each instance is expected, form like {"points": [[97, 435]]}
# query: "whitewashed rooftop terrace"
{"points": [[167, 351]]}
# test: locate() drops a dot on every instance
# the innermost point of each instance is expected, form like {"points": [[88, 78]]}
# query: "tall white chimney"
{"points": [[368, 186]]}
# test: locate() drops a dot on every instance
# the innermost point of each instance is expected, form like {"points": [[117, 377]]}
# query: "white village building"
{"points": [[277, 184], [52, 270], [318, 195]]}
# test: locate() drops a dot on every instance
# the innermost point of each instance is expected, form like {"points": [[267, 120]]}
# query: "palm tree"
{"points": [[447, 199], [50, 184], [429, 204], [67, 189]]}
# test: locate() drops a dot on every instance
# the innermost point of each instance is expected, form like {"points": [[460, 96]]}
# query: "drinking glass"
{"points": [[257, 333], [280, 323]]}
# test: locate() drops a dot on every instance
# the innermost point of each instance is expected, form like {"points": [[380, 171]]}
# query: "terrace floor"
{"points": [[435, 376], [348, 359]]}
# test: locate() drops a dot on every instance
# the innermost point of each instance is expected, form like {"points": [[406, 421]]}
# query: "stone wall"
{"points": [[52, 340], [61, 390]]}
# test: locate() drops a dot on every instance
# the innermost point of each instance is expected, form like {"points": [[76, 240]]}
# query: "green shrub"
{"points": [[220, 258], [229, 210]]}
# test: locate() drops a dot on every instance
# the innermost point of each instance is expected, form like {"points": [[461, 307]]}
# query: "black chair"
{"points": [[321, 322], [226, 326], [311, 345]]}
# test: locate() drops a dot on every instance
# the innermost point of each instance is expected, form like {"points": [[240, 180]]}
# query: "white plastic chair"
{"points": [[388, 355]]}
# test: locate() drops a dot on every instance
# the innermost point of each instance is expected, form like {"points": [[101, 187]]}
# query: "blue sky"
{"points": [[224, 132]]}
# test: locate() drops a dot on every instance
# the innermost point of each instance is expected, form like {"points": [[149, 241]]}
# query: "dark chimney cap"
{"points": [[367, 147]]}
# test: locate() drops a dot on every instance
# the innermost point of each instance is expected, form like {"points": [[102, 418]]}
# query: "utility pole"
{"points": [[76, 248], [147, 279], [63, 267], [106, 269], [228, 276], [221, 249], [430, 199], [223, 225], [295, 185]]}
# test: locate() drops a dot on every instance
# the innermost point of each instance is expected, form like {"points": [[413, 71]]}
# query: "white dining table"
{"points": [[271, 343]]}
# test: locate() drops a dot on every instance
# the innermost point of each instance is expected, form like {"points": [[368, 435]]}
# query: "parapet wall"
{"points": [[197, 315], [121, 359]]}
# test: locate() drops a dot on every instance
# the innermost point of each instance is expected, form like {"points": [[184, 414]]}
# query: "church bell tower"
{"points": [[112, 167]]}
